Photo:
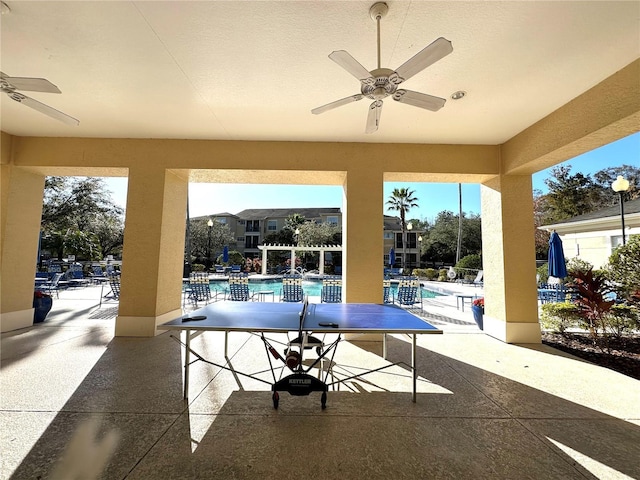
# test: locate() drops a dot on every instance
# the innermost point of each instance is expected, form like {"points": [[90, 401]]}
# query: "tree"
{"points": [[74, 214], [221, 235], [312, 233], [402, 200], [604, 178], [573, 195], [569, 195], [441, 239], [541, 236]]}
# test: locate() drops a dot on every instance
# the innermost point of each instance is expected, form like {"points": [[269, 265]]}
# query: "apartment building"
{"points": [[251, 226]]}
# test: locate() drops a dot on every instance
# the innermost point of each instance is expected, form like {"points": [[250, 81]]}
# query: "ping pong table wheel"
{"points": [[276, 400], [323, 400]]}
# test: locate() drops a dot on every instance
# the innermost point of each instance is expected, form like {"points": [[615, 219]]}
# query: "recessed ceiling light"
{"points": [[4, 8], [458, 95]]}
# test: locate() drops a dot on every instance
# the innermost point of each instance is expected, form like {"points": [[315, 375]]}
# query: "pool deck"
{"points": [[485, 409]]}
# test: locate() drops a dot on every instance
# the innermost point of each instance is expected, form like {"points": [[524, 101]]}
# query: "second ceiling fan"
{"points": [[383, 82]]}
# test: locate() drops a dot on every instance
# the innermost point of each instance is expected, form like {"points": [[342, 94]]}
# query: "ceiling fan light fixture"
{"points": [[459, 95]]}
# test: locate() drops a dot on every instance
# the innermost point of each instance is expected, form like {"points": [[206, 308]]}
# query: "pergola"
{"points": [[301, 248]]}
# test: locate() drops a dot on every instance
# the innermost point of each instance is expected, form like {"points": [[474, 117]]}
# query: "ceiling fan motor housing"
{"points": [[381, 87]]}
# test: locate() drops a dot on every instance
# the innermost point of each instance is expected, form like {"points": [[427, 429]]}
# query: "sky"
{"points": [[211, 199]]}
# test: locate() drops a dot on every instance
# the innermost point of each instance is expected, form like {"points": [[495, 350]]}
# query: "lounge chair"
{"points": [[198, 289], [235, 269], [331, 289], [98, 274], [75, 276], [386, 290], [291, 288], [114, 292], [239, 288], [408, 293], [54, 285], [220, 270], [478, 281]]}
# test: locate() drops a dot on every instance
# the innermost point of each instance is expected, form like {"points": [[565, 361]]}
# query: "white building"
{"points": [[593, 236]]}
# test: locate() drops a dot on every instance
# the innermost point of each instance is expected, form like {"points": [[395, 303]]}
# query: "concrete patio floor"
{"points": [[484, 410]]}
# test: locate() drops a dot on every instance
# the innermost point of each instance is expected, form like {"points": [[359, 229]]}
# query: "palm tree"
{"points": [[402, 200]]}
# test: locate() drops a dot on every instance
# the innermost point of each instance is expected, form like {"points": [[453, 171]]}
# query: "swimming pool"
{"points": [[310, 288]]}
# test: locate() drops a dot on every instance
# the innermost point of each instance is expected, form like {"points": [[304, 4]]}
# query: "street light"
{"points": [[210, 225], [420, 251], [620, 185]]}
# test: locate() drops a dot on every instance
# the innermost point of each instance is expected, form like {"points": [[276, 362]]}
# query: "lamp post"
{"points": [[210, 225], [420, 251], [620, 186]]}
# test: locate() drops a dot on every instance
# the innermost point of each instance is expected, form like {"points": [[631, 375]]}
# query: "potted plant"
{"points": [[477, 307], [42, 303]]}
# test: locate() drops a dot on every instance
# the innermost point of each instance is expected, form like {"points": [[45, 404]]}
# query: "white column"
{"points": [[264, 260]]}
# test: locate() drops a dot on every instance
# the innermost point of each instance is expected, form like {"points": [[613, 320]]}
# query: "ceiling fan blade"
{"points": [[336, 104], [417, 99], [373, 119], [351, 65], [42, 108], [427, 56], [30, 84]]}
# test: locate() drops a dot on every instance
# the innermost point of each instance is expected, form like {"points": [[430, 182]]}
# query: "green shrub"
{"points": [[467, 264], [428, 273], [197, 267], [624, 268], [542, 272], [622, 319], [558, 317]]}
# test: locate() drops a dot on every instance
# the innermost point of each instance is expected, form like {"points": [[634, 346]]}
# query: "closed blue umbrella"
{"points": [[392, 257], [557, 263], [225, 254]]}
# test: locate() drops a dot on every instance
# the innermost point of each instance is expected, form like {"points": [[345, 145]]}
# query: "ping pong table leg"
{"points": [[384, 346], [413, 367], [187, 354]]}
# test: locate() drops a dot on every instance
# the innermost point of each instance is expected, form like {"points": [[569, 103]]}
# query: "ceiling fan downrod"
{"points": [[377, 12]]}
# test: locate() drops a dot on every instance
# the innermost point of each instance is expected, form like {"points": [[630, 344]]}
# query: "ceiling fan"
{"points": [[383, 82], [9, 85]]}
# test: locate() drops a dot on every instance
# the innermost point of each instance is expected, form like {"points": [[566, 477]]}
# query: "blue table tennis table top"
{"points": [[285, 317]]}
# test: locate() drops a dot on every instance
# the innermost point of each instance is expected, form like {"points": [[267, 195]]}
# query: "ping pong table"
{"points": [[325, 318]]}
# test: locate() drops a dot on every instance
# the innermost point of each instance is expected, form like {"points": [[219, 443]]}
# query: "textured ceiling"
{"points": [[254, 70]]}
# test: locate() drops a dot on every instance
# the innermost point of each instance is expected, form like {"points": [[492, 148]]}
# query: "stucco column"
{"points": [[152, 258], [264, 261], [362, 236], [22, 193], [508, 258]]}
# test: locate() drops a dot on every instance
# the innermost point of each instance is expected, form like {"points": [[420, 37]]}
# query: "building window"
{"points": [[398, 240], [221, 220], [616, 241], [241, 222], [332, 220], [412, 240], [272, 226], [251, 241], [388, 235], [252, 226]]}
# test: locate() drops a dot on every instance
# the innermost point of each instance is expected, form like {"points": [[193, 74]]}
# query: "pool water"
{"points": [[310, 288]]}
